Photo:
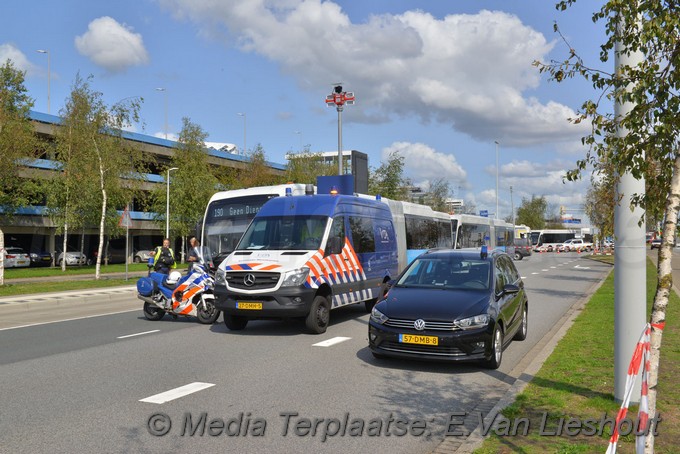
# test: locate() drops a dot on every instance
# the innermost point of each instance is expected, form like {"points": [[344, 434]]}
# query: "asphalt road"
{"points": [[77, 385]]}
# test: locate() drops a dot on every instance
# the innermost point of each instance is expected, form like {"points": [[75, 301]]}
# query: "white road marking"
{"points": [[176, 393], [523, 277], [68, 319], [553, 267], [138, 334], [331, 341], [535, 273], [582, 267], [545, 269]]}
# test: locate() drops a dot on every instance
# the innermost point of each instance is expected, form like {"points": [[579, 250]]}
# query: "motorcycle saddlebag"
{"points": [[145, 286]]}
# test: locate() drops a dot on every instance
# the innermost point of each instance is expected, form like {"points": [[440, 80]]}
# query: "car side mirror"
{"points": [[510, 289]]}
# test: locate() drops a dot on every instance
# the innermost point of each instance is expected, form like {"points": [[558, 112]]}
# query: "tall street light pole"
{"points": [[243, 114], [167, 204], [496, 142], [338, 99], [47, 52], [512, 207], [165, 108]]}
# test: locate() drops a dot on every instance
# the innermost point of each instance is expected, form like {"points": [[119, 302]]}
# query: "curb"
{"points": [[524, 372], [71, 296]]}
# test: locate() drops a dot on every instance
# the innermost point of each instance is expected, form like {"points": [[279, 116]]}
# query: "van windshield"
{"points": [[284, 233]]}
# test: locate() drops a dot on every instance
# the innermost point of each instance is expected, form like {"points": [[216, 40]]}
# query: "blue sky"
{"points": [[438, 81]]}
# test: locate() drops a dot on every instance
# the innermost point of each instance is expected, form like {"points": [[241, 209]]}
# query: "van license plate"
{"points": [[423, 340], [248, 305]]}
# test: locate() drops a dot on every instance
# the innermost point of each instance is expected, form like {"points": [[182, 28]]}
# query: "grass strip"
{"points": [[577, 381], [23, 273]]}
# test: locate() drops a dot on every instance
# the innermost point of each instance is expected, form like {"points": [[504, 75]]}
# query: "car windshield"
{"points": [[284, 233], [446, 273]]}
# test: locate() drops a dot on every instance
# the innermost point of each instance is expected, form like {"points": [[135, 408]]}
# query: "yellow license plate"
{"points": [[248, 305], [414, 339]]}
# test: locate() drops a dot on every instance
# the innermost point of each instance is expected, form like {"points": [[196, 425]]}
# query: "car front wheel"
{"points": [[319, 315], [521, 334], [496, 357]]}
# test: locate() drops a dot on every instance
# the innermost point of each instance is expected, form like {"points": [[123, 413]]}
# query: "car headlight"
{"points": [[295, 277], [220, 277], [378, 316], [34, 255], [478, 321]]}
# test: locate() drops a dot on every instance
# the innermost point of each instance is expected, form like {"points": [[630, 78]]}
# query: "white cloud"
{"points": [[425, 165], [468, 70], [10, 52], [169, 136], [112, 45]]}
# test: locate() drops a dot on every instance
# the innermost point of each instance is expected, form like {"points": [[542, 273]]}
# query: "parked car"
{"points": [[41, 258], [113, 256], [72, 258], [15, 257], [522, 248], [451, 305], [143, 256], [655, 243]]}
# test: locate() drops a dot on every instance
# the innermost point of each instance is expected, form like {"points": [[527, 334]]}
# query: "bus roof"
{"points": [[322, 205], [279, 189]]}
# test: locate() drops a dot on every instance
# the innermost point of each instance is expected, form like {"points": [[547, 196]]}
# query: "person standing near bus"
{"points": [[194, 253]]}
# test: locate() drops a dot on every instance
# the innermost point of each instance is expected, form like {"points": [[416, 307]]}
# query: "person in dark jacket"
{"points": [[164, 258]]}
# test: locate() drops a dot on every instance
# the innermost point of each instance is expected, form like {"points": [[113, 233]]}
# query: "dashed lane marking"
{"points": [[138, 334], [176, 393], [331, 341]]}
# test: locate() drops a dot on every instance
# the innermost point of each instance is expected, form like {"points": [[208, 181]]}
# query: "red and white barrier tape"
{"points": [[640, 357]]}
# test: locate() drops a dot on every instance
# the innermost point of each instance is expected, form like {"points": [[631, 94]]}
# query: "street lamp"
{"points": [[242, 114], [167, 204], [338, 99], [47, 52], [165, 102], [496, 142]]}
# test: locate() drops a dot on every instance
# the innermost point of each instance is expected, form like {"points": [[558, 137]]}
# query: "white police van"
{"points": [[302, 256]]}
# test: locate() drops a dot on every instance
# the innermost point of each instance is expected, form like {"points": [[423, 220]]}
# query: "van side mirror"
{"points": [[334, 245]]}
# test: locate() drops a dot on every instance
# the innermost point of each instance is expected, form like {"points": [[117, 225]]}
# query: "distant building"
{"points": [[33, 230], [353, 162]]}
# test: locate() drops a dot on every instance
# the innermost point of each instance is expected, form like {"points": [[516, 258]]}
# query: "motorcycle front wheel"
{"points": [[153, 312], [207, 313]]}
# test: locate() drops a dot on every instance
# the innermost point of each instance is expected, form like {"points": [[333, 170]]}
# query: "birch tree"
{"points": [[192, 184], [651, 147], [99, 167]]}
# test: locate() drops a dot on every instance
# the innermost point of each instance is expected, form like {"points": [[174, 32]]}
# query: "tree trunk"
{"points": [[102, 220], [2, 258], [82, 242], [663, 289], [63, 254], [66, 217]]}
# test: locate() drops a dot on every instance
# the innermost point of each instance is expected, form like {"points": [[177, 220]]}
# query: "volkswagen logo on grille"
{"points": [[419, 324], [249, 280]]}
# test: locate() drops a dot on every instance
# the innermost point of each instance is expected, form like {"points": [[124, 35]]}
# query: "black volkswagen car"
{"points": [[451, 305]]}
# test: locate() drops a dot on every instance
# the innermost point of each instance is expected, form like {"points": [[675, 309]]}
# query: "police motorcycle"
{"points": [[174, 294]]}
